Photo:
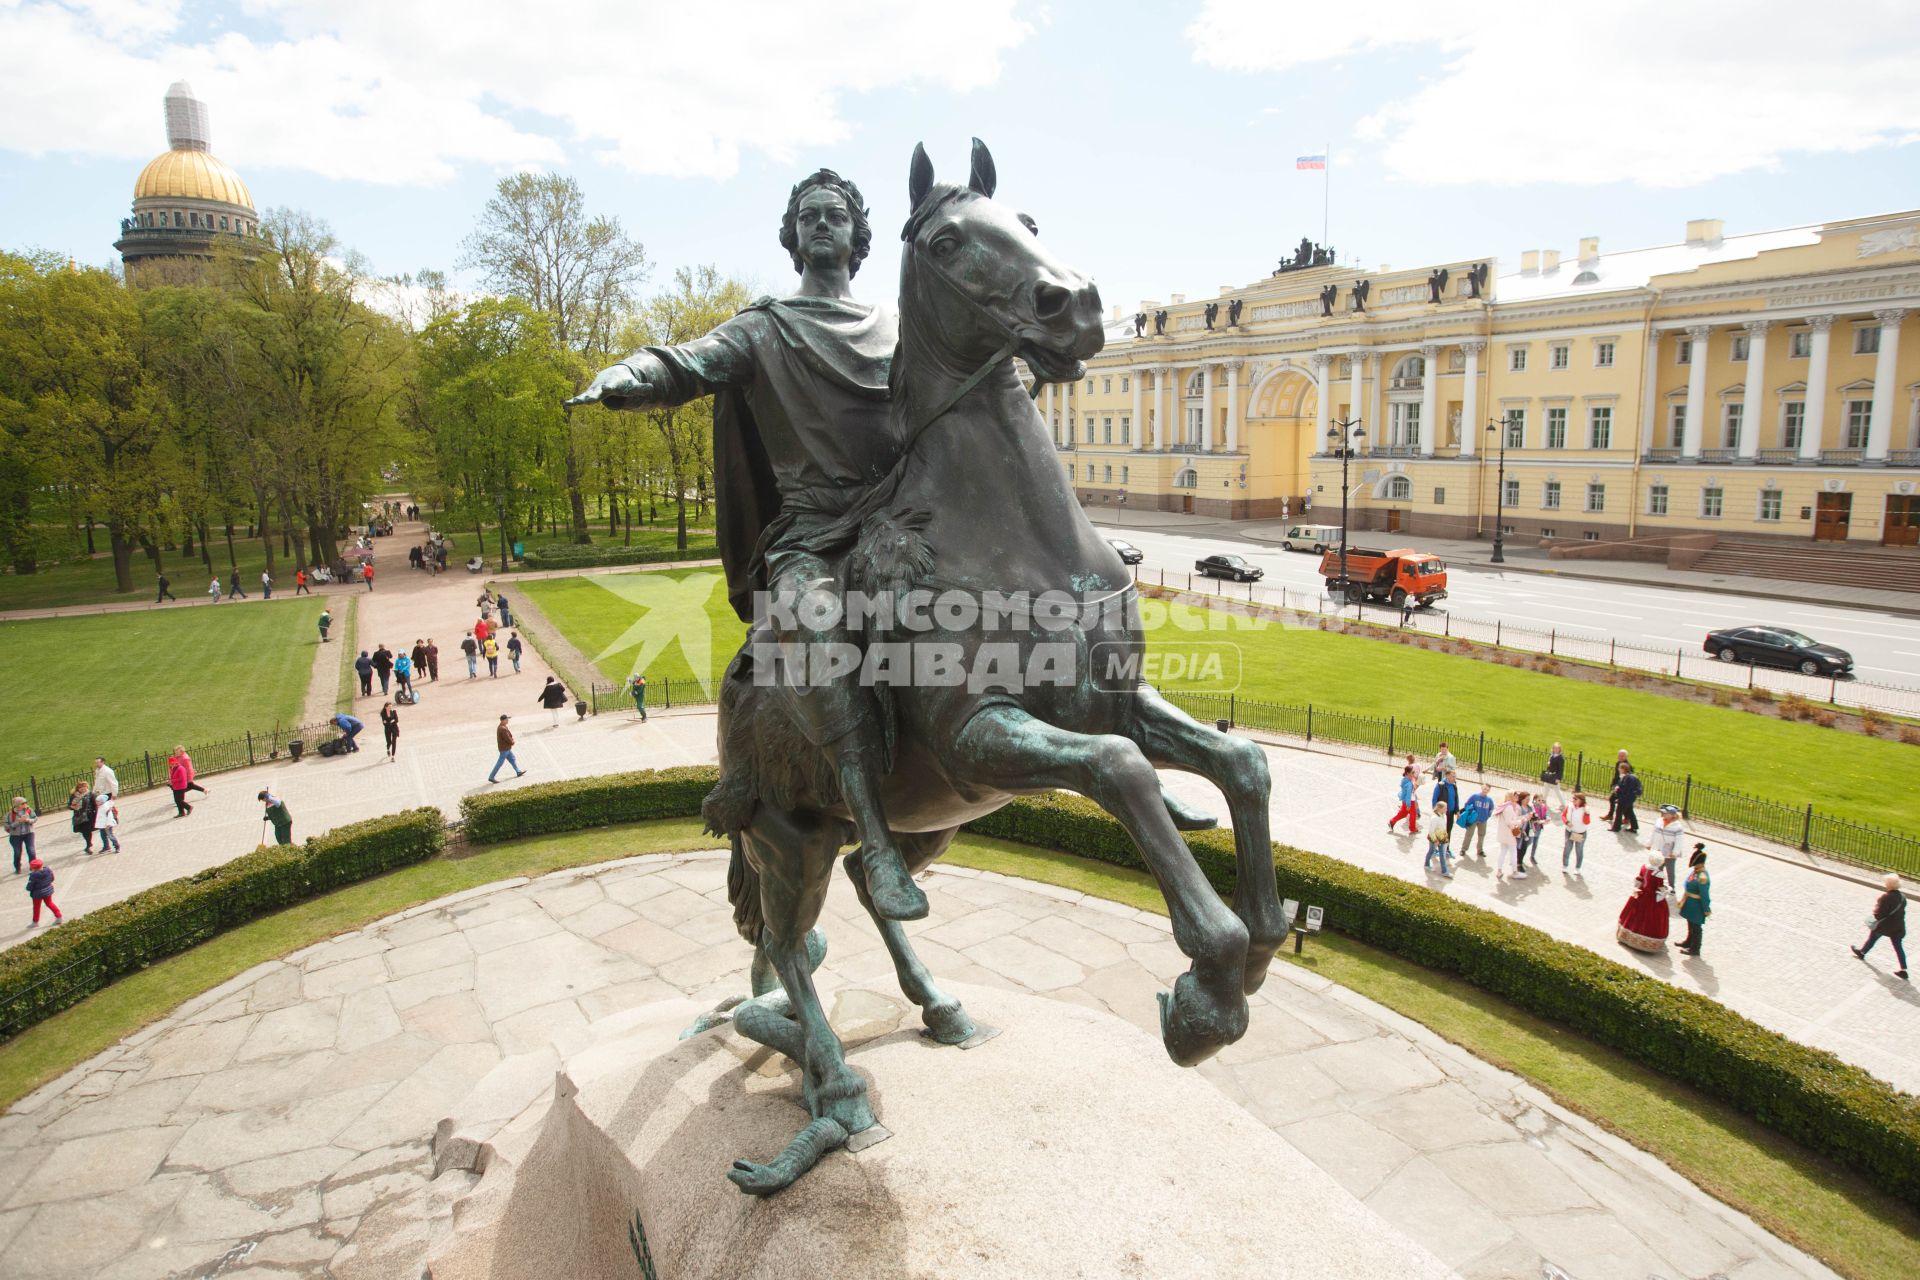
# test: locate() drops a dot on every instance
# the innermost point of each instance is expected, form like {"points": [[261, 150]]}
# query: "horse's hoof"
{"points": [[758, 1179], [1185, 817], [1194, 1025], [947, 1023], [895, 895]]}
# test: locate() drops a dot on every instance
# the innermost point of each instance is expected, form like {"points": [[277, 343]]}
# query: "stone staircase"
{"points": [[1874, 568]]}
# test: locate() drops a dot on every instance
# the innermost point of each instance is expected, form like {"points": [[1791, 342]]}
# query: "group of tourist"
{"points": [[400, 669], [482, 640]]}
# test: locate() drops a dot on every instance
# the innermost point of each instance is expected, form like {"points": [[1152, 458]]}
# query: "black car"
{"points": [[1129, 554], [1232, 568], [1778, 647]]}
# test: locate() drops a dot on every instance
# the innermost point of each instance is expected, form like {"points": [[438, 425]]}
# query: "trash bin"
{"points": [[1223, 725], [296, 748]]}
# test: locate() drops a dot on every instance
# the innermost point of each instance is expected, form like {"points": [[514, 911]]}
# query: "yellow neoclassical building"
{"points": [[1751, 384]]}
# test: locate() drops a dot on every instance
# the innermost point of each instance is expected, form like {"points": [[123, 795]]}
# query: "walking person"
{"points": [[1626, 790], [638, 688], [233, 586], [40, 889], [80, 806], [1889, 921], [1577, 822], [390, 726], [300, 587], [514, 650], [1643, 921], [180, 780], [1443, 763], [503, 739], [1664, 839], [1619, 759], [106, 821], [351, 727], [433, 661], [165, 591], [363, 667], [485, 605], [383, 664], [1475, 817], [214, 589], [419, 655], [491, 651], [1696, 901], [20, 820], [266, 584], [1437, 836], [1507, 821], [471, 648], [105, 780], [1408, 809], [366, 574], [553, 696], [277, 813], [326, 624], [506, 613], [1447, 792], [1538, 816], [1551, 776]]}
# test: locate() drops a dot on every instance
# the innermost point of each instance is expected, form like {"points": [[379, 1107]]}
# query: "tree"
{"points": [[536, 242]]}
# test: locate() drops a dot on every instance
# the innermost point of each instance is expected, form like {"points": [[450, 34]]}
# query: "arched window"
{"points": [[1412, 367], [1399, 489], [1197, 384], [1186, 478]]}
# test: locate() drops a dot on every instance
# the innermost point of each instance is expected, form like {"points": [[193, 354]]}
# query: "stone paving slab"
{"points": [[296, 1141]]}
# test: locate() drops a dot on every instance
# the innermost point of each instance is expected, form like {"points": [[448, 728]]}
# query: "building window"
{"points": [[179, 218], [1089, 386], [1550, 495], [223, 222], [1558, 356], [1516, 428], [1596, 497], [1089, 473], [1108, 476], [1679, 425], [1711, 502], [1517, 359], [1399, 489], [1195, 422], [1197, 385], [1106, 431], [1733, 414], [1126, 429], [1510, 494], [1403, 427], [1186, 478], [1089, 435], [1106, 386], [1793, 423], [1683, 351], [1603, 355], [1859, 415], [1740, 346], [1600, 427], [1556, 428], [1657, 500], [1799, 344], [1866, 340], [1126, 383], [1548, 531], [1123, 474], [1439, 497], [1770, 502]]}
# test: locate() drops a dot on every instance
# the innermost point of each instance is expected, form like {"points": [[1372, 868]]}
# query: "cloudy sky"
{"points": [[1155, 142]]}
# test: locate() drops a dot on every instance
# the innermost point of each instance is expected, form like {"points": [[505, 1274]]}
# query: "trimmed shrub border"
{"points": [[63, 966], [594, 556]]}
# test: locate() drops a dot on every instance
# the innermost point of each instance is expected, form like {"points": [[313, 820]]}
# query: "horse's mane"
{"points": [[938, 197]]}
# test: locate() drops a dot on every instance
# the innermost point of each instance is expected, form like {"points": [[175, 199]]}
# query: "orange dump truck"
{"points": [[1392, 576]]}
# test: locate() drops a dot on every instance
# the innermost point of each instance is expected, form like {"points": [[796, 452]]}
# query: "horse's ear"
{"points": [[983, 179], [919, 178]]}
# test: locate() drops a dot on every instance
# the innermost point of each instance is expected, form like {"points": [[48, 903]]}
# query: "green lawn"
{"points": [[671, 625], [80, 580], [118, 684]]}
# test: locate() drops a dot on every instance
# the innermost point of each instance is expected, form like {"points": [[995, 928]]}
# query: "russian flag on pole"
{"points": [[1311, 162]]}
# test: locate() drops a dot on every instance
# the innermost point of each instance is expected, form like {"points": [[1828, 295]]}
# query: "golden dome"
{"points": [[191, 174]]}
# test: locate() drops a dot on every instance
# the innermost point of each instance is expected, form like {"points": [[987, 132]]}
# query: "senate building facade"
{"points": [[1752, 384]]}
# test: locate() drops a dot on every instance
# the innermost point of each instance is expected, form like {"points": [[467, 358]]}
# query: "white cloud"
{"points": [[408, 92], [1666, 93]]}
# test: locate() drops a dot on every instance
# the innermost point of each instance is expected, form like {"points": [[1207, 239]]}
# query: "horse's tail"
{"points": [[743, 892]]}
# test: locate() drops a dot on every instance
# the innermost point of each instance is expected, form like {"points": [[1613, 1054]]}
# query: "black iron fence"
{"points": [[1800, 826], [148, 769], [662, 695]]}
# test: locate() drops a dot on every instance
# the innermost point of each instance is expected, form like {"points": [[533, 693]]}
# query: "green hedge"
{"points": [[1807, 1094], [579, 803], [573, 557], [63, 966]]}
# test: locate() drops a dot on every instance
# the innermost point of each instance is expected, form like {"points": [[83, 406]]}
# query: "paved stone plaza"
{"points": [[280, 1125]]}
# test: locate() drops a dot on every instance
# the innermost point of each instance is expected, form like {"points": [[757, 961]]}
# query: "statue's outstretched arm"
{"points": [[640, 381]]}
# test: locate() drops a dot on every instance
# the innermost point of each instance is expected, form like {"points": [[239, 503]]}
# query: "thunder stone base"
{"points": [[1066, 1146]]}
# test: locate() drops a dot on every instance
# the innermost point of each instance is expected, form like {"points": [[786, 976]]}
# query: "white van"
{"points": [[1312, 537]]}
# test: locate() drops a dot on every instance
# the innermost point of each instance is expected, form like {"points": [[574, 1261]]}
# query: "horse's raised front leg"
{"points": [[1007, 748], [946, 1021], [1171, 737]]}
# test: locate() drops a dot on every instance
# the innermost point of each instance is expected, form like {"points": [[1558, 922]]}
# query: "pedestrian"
{"points": [[506, 614], [390, 726], [1612, 799], [514, 649], [105, 780], [433, 660], [363, 667], [481, 630], [326, 622], [20, 830], [1443, 762], [419, 655], [40, 889], [233, 586], [1448, 791], [165, 592], [1537, 818], [180, 779], [1643, 921], [1408, 809], [106, 821], [300, 587], [503, 739], [471, 648], [1475, 816], [351, 727], [485, 605], [80, 805], [213, 589], [1696, 902], [1664, 839], [366, 573], [553, 696], [1577, 822], [1889, 921], [1437, 839], [383, 665], [403, 675], [638, 688], [490, 649], [1626, 790], [266, 584], [1551, 776], [1507, 824], [279, 815]]}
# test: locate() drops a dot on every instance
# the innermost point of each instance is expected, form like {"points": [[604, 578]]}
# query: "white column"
{"points": [[1649, 384], [1046, 411], [1068, 433], [1165, 436], [1429, 397], [1139, 423], [1206, 408], [1233, 406], [1355, 409], [1813, 428], [1753, 396], [1880, 426], [1470, 400], [1323, 388], [1696, 392]]}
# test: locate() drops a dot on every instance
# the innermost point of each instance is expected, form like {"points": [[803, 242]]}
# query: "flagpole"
{"points": [[1326, 185]]}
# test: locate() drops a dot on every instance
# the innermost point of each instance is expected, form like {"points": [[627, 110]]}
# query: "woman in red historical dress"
{"points": [[1643, 921]]}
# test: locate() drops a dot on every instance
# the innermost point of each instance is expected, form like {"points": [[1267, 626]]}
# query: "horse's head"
{"points": [[975, 277]]}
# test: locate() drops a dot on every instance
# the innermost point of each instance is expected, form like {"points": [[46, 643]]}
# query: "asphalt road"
{"points": [[1885, 646]]}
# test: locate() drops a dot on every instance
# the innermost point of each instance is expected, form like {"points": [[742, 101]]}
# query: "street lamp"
{"points": [[1499, 496], [1344, 436]]}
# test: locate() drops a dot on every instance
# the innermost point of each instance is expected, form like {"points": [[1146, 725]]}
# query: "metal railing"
{"points": [[662, 695], [148, 769]]}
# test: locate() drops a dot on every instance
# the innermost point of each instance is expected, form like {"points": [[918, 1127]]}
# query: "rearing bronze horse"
{"points": [[978, 503]]}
